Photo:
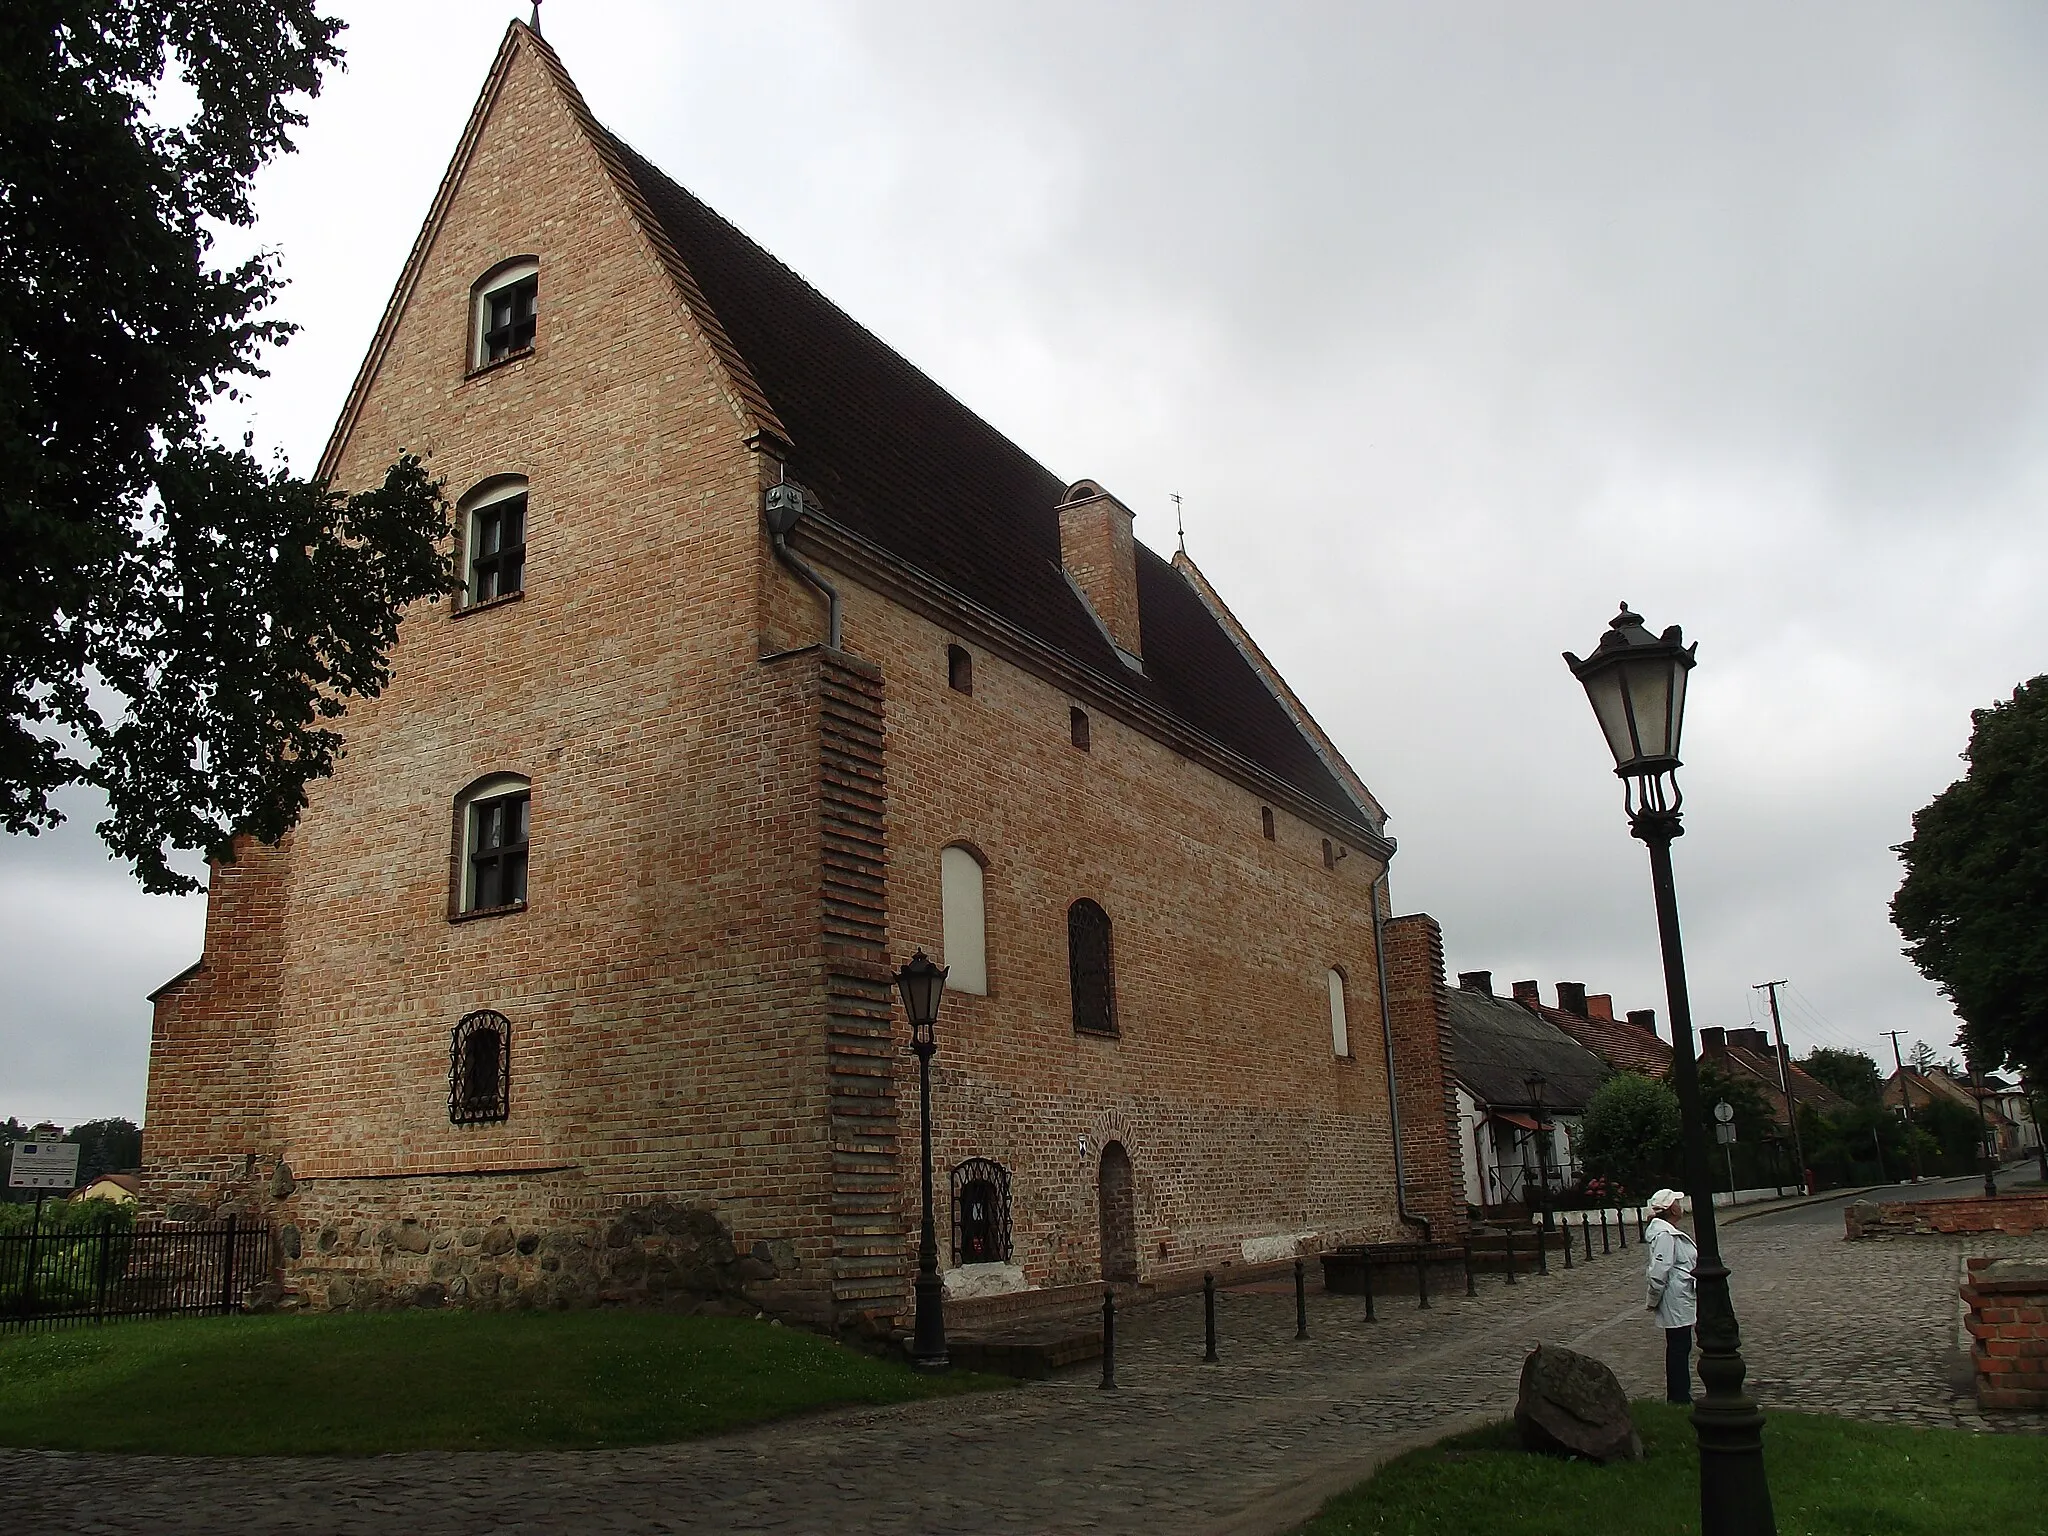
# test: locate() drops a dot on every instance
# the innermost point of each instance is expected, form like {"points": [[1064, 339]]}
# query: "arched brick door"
{"points": [[1116, 1205]]}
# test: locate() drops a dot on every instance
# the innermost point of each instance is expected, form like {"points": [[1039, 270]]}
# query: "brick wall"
{"points": [[1893, 1218], [2008, 1301]]}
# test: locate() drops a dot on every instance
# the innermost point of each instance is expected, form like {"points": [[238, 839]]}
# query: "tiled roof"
{"points": [[893, 457], [1623, 1046], [1762, 1068], [1496, 1044]]}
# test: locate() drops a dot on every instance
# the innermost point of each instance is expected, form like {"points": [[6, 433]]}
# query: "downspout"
{"points": [[1379, 950], [808, 573]]}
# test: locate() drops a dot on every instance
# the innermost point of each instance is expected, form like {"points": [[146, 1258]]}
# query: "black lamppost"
{"points": [[1985, 1139], [1536, 1082], [1636, 683], [922, 984]]}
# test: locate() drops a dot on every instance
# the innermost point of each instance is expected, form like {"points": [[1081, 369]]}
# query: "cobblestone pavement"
{"points": [[1247, 1445]]}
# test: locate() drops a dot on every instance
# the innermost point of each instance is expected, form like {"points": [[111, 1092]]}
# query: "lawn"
{"points": [[366, 1383], [1829, 1477]]}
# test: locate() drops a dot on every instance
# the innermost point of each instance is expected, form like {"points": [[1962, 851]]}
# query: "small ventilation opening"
{"points": [[959, 669], [1077, 727], [1266, 821], [1329, 855]]}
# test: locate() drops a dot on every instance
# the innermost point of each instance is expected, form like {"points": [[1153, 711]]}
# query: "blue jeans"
{"points": [[1678, 1365]]}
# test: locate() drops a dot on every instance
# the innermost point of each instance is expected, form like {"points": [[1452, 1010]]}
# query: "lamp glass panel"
{"points": [[922, 986], [1648, 682], [1679, 672], [1603, 688]]}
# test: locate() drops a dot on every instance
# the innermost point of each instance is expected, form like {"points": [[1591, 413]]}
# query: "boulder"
{"points": [[1572, 1405]]}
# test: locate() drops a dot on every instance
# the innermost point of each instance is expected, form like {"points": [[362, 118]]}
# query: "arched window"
{"points": [[981, 1212], [1340, 1027], [965, 941], [1090, 968], [493, 522], [480, 1068], [504, 311], [492, 823]]}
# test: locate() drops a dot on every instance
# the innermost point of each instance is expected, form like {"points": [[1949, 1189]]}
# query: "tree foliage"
{"points": [[1853, 1074], [1631, 1130], [1753, 1117], [178, 624], [1974, 904]]}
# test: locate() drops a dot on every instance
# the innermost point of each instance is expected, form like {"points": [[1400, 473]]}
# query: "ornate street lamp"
{"points": [[921, 985], [1636, 683], [1536, 1082]]}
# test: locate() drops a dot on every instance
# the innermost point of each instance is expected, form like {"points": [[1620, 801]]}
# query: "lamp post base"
{"points": [[928, 1331]]}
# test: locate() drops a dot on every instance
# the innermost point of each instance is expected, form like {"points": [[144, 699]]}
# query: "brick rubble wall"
{"points": [[1903, 1218], [2008, 1301]]}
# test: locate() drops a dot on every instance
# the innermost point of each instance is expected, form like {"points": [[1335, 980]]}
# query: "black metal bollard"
{"points": [[1621, 1228], [1508, 1243], [1542, 1252], [1605, 1246], [1586, 1231], [1566, 1227], [1209, 1315], [1422, 1277], [1365, 1269], [1300, 1300], [1471, 1284], [1642, 1226], [1108, 1340]]}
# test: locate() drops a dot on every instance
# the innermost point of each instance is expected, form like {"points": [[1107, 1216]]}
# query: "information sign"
{"points": [[43, 1165]]}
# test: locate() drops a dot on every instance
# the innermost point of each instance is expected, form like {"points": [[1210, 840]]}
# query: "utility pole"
{"points": [[1785, 1080], [1905, 1098]]}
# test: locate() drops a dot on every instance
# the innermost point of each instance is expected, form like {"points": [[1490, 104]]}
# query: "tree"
{"points": [[1974, 904], [1631, 1130], [1753, 1111], [106, 1146], [179, 625], [1852, 1074], [1922, 1057]]}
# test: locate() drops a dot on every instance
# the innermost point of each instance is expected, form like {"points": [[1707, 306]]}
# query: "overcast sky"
{"points": [[1452, 324]]}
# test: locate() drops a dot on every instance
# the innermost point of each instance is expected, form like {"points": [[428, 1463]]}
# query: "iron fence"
{"points": [[52, 1278]]}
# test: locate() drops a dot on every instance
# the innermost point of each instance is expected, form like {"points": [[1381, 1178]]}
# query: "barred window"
{"points": [[1090, 968], [507, 311], [495, 519], [494, 816], [981, 1212], [480, 1068]]}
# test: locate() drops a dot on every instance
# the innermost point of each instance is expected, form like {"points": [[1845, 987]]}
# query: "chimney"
{"points": [[1600, 1006], [1713, 1039], [1101, 560], [1751, 1040], [1476, 981], [1644, 1019], [1571, 997], [1528, 992]]}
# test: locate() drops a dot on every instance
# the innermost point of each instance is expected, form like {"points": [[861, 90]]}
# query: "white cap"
{"points": [[1664, 1200]]}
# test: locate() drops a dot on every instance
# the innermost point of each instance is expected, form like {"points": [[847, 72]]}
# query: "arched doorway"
{"points": [[1116, 1204]]}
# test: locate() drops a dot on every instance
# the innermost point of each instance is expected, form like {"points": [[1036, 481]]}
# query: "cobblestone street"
{"points": [[1248, 1445]]}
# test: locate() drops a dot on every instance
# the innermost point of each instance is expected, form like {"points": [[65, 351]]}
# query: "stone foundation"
{"points": [[1919, 1218]]}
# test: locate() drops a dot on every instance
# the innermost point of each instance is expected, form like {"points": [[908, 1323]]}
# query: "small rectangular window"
{"points": [[1077, 727], [1266, 821], [497, 858], [1329, 855], [509, 317], [959, 669], [497, 549]]}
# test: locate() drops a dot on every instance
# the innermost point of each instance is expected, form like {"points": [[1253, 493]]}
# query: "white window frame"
{"points": [[492, 787], [485, 496], [963, 917], [496, 281]]}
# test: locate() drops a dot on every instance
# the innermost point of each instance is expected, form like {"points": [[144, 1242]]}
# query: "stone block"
{"points": [[1573, 1405]]}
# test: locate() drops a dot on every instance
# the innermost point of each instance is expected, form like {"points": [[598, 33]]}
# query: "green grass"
{"points": [[367, 1383], [1829, 1477]]}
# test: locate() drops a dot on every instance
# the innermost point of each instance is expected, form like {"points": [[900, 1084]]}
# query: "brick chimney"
{"points": [[1713, 1039], [1644, 1019], [1476, 981], [1600, 1006], [1751, 1040], [1101, 559], [1571, 997], [1528, 992]]}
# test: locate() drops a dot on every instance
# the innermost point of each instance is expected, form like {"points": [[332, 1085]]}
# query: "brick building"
{"points": [[574, 981]]}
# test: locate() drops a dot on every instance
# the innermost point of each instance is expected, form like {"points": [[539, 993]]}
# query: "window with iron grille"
{"points": [[510, 313], [1090, 969], [480, 1068], [495, 816], [981, 1212], [497, 548]]}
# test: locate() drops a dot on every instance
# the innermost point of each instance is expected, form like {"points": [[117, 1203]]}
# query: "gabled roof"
{"points": [[1623, 1046], [907, 470], [1762, 1068], [1496, 1044]]}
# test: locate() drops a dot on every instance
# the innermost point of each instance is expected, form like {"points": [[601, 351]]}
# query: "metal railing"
{"points": [[52, 1278]]}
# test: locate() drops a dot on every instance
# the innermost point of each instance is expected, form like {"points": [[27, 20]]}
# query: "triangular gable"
{"points": [[756, 416]]}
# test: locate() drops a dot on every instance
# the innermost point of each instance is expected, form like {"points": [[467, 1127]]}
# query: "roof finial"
{"points": [[1179, 531], [535, 22]]}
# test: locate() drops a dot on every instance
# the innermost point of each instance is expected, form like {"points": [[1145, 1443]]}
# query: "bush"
{"points": [[1632, 1131]]}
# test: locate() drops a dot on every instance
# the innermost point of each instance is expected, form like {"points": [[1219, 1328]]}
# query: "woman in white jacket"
{"points": [[1671, 1290]]}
